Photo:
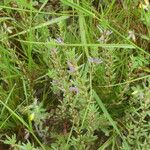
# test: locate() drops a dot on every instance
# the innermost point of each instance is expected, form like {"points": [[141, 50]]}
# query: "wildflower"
{"points": [[59, 40], [132, 35], [71, 67], [144, 6], [95, 60], [74, 89], [31, 117]]}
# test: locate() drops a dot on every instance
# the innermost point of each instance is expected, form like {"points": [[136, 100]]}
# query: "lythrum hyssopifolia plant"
{"points": [[74, 75]]}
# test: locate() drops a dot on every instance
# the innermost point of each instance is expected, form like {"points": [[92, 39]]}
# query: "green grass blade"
{"points": [[78, 7], [123, 46], [53, 21], [107, 115], [127, 82], [106, 144], [83, 33], [6, 101]]}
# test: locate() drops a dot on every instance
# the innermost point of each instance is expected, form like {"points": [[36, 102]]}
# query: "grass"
{"points": [[74, 75]]}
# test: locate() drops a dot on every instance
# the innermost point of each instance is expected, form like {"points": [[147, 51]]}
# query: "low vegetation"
{"points": [[75, 74]]}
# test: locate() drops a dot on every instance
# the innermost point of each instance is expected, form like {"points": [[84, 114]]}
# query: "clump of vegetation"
{"points": [[74, 75]]}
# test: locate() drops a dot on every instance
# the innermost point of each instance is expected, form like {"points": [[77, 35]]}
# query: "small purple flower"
{"points": [[72, 68], [59, 40], [95, 60], [74, 89]]}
